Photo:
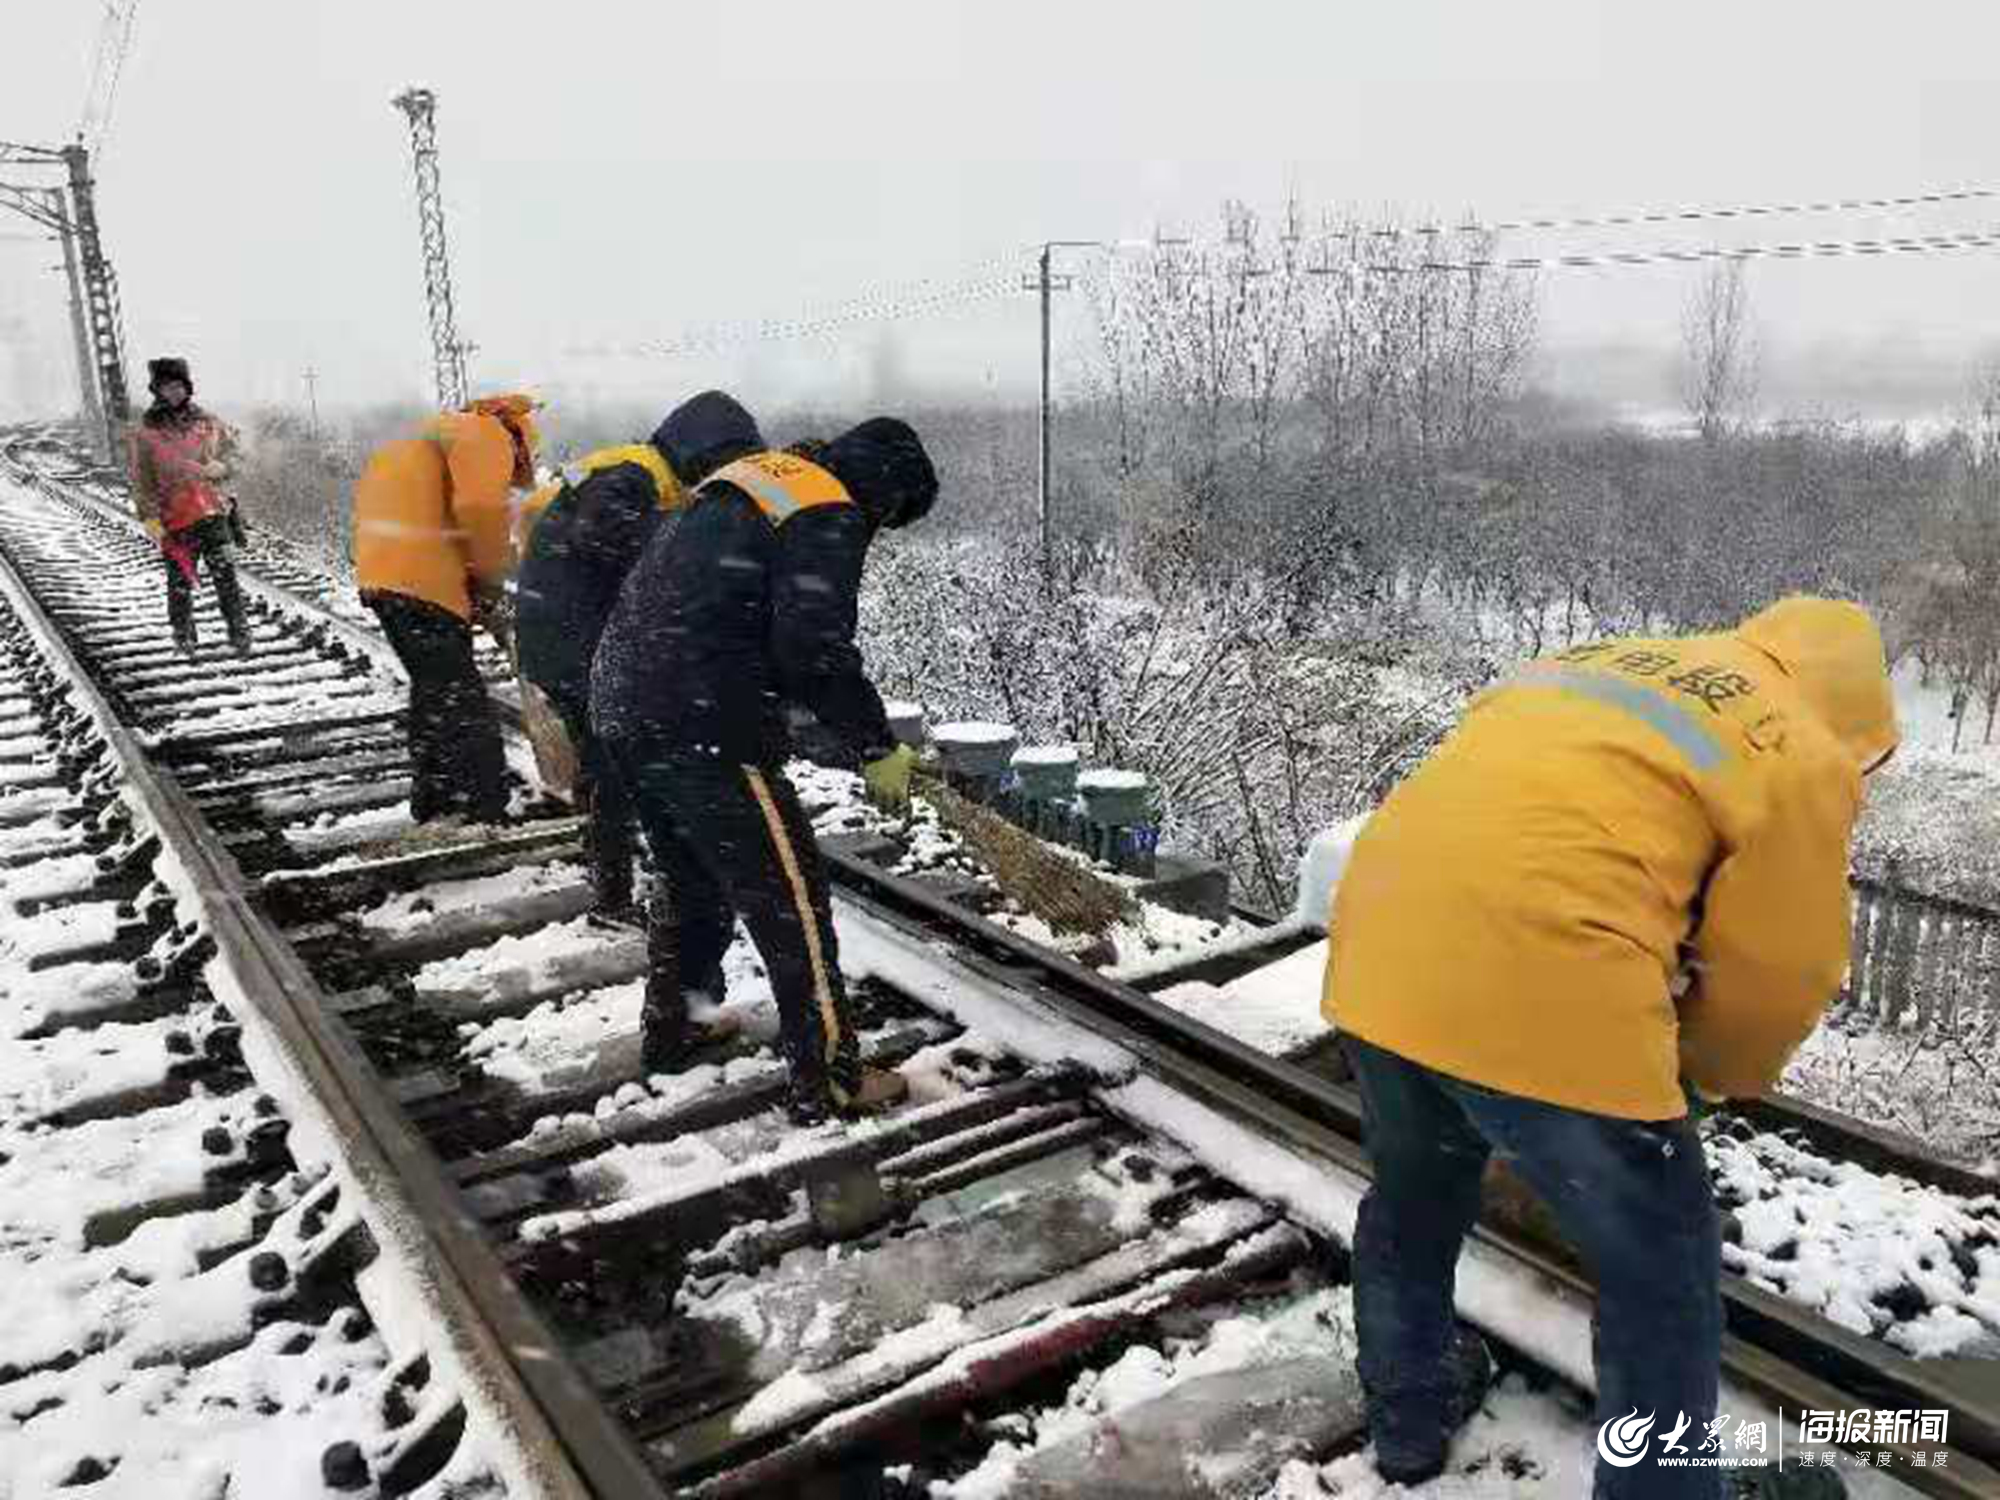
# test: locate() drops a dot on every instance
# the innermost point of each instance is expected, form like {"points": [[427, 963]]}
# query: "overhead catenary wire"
{"points": [[1639, 218], [976, 285], [994, 277], [1701, 255]]}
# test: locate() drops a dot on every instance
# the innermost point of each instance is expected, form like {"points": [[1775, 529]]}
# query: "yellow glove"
{"points": [[888, 779], [154, 528]]}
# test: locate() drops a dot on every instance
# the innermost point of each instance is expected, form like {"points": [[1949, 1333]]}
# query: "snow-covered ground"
{"points": [[1842, 1242], [1931, 821], [1882, 1256], [1522, 1443], [131, 1361]]}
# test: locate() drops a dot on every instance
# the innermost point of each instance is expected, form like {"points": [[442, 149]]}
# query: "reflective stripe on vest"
{"points": [[1671, 720], [782, 484]]}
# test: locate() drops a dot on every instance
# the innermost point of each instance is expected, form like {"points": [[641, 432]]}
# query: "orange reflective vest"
{"points": [[433, 513], [782, 484]]}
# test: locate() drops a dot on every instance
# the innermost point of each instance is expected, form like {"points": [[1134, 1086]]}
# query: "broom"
{"points": [[1043, 881]]}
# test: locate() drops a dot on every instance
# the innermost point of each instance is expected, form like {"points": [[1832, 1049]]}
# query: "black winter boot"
{"points": [[669, 1040], [1412, 1438]]}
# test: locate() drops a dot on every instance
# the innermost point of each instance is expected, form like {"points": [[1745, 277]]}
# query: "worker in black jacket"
{"points": [[591, 530], [747, 602]]}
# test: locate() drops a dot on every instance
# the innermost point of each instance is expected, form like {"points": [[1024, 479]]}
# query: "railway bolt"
{"points": [[265, 1143], [344, 1467], [268, 1271], [845, 1195]]}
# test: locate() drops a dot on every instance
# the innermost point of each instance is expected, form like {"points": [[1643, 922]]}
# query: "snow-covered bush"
{"points": [[1257, 732]]}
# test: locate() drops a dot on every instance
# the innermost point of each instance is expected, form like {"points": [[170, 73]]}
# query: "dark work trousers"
{"points": [[1633, 1198], [208, 540], [608, 842], [456, 764], [731, 840]]}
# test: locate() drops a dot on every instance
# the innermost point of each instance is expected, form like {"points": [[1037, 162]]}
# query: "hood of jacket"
{"points": [[516, 413], [882, 464], [1832, 651], [705, 432], [168, 367], [163, 371]]}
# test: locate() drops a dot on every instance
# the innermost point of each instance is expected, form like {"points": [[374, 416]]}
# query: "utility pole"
{"points": [[447, 351], [1044, 283], [312, 400]]}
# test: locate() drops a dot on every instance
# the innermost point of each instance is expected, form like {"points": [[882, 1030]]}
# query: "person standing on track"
{"points": [[1618, 888], [749, 601], [590, 530], [432, 551], [180, 458]]}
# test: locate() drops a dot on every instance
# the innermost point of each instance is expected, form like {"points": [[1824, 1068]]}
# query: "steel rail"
{"points": [[1321, 1121], [1774, 1347], [571, 1446]]}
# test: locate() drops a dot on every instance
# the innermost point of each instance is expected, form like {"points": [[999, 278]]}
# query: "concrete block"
{"points": [[1196, 887]]}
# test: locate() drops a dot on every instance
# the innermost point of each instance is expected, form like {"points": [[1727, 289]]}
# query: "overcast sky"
{"points": [[621, 172]]}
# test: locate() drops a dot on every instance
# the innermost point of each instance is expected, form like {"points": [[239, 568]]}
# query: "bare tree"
{"points": [[1719, 380]]}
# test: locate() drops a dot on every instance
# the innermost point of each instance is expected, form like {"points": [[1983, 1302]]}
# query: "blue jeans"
{"points": [[1632, 1197]]}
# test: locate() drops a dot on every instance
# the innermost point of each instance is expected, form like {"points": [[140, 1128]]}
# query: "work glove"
{"points": [[1700, 1102], [888, 779], [155, 528]]}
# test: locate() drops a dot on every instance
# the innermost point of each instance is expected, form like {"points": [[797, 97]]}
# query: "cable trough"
{"points": [[636, 1286]]}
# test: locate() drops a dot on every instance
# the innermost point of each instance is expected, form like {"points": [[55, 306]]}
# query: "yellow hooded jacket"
{"points": [[1517, 911], [533, 506], [432, 514]]}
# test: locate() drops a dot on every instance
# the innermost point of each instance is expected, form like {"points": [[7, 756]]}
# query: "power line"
{"points": [[1639, 217], [924, 297], [977, 286], [1700, 255]]}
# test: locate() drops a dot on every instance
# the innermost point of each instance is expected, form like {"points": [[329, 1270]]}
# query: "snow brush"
{"points": [[1040, 878]]}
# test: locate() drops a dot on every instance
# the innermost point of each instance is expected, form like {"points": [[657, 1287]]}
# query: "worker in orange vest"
{"points": [[432, 551]]}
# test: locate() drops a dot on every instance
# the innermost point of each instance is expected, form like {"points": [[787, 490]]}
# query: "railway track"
{"points": [[421, 1065]]}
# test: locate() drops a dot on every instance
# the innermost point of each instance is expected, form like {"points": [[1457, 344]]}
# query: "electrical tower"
{"points": [[101, 346], [447, 350], [100, 290]]}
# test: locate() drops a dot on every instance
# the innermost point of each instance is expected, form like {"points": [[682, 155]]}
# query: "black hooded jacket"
{"points": [[727, 616], [592, 533]]}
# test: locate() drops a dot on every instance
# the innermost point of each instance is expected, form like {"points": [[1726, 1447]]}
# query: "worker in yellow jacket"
{"points": [[433, 520], [1621, 882]]}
